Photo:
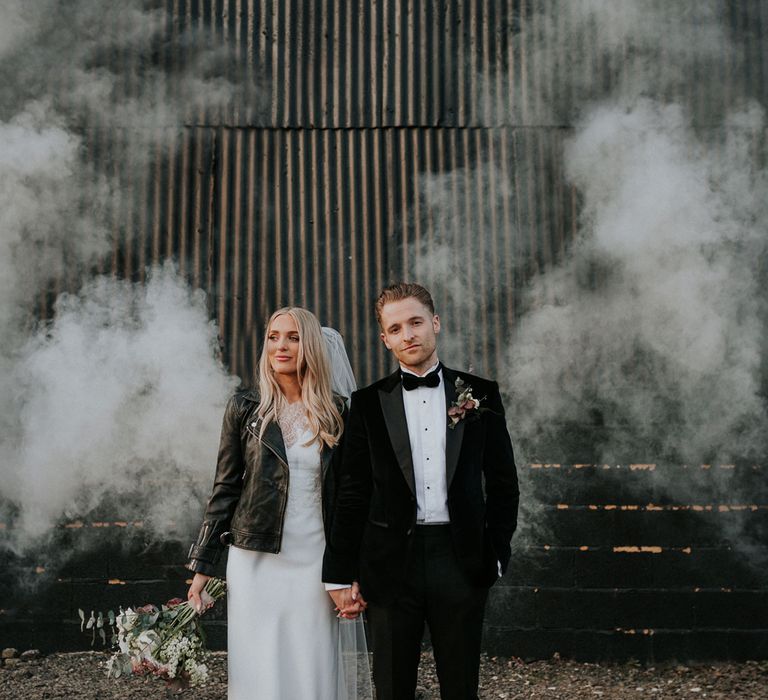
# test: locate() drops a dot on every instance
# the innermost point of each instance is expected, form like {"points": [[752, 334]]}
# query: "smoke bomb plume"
{"points": [[121, 394], [642, 339], [117, 399], [654, 324]]}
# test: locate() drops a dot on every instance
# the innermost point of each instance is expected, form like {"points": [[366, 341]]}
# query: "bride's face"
{"points": [[283, 345]]}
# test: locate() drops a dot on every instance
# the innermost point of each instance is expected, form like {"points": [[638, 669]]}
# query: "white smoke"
{"points": [[641, 339], [452, 262], [581, 52], [79, 78], [120, 395], [665, 341], [651, 324], [42, 231], [118, 398]]}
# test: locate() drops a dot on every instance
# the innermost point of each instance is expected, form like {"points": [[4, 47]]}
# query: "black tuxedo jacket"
{"points": [[375, 513]]}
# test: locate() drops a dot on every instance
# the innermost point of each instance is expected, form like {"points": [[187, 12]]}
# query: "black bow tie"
{"points": [[411, 381]]}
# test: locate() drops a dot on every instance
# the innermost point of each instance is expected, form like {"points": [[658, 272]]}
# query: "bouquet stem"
{"points": [[215, 588]]}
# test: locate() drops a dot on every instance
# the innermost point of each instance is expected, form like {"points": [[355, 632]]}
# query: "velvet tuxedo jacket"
{"points": [[375, 512]]}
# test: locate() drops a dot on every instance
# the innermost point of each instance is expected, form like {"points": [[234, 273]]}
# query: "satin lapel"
{"points": [[391, 399], [453, 436], [325, 460]]}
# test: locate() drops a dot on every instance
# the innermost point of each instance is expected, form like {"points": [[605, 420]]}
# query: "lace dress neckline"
{"points": [[292, 419]]}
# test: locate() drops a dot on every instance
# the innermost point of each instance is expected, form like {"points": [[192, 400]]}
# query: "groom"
{"points": [[426, 505]]}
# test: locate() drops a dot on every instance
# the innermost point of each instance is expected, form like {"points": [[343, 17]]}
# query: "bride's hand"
{"points": [[349, 601], [193, 594], [358, 597], [352, 611]]}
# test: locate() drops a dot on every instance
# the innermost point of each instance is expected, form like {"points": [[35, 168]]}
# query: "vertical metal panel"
{"points": [[249, 357], [306, 235]]}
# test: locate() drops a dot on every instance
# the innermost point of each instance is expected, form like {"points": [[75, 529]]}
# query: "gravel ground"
{"points": [[81, 675]]}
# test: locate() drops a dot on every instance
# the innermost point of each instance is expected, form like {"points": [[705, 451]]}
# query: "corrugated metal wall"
{"points": [[434, 63], [307, 190], [263, 217]]}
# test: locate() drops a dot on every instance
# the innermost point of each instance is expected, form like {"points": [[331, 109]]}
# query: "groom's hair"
{"points": [[400, 291]]}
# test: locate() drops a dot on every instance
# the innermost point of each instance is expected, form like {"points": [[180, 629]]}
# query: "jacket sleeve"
{"points": [[205, 553], [502, 491], [353, 495]]}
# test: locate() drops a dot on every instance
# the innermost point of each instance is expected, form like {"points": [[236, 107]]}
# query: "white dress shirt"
{"points": [[427, 418]]}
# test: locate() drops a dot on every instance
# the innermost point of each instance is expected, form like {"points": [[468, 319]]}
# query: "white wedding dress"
{"points": [[282, 629]]}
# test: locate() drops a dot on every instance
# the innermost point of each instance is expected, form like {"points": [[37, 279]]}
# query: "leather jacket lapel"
{"points": [[391, 399], [453, 436], [272, 438]]}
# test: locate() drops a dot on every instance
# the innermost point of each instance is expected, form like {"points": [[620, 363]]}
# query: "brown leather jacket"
{"points": [[250, 490]]}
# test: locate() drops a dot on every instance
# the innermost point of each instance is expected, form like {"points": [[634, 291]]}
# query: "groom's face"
{"points": [[409, 330]]}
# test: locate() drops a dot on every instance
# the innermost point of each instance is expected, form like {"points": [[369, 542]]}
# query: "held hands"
{"points": [[349, 601], [200, 600]]}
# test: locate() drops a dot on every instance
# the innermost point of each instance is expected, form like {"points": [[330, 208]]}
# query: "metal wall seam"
{"points": [[250, 337]]}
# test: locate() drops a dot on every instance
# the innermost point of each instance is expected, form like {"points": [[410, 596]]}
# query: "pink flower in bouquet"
{"points": [[173, 602], [146, 609]]}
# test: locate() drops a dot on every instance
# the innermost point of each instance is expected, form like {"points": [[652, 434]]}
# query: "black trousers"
{"points": [[437, 593]]}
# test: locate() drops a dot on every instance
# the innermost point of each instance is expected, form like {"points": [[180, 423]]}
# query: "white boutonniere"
{"points": [[463, 404]]}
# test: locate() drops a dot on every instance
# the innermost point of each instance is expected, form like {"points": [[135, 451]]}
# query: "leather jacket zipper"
{"points": [[285, 495]]}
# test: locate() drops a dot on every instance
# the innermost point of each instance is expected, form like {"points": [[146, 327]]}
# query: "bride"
{"points": [[271, 500]]}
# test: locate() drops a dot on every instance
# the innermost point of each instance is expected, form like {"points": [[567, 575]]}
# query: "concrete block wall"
{"points": [[643, 561]]}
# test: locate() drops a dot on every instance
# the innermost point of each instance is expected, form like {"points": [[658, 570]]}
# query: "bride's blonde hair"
{"points": [[314, 373]]}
